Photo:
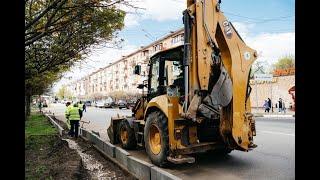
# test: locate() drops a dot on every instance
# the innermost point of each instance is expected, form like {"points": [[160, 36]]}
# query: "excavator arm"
{"points": [[217, 63]]}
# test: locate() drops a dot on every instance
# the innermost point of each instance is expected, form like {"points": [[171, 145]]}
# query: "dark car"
{"points": [[122, 104], [88, 103], [44, 104], [130, 104]]}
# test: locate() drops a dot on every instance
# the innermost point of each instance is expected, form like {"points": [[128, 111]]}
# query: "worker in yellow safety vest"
{"points": [[80, 105], [66, 112], [73, 114]]}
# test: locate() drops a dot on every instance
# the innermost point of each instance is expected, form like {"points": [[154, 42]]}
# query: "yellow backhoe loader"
{"points": [[198, 96]]}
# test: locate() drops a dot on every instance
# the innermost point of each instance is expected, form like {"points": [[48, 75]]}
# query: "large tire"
{"points": [[126, 135], [157, 151]]}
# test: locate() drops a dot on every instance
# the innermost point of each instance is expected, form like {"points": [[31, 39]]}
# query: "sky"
{"points": [[266, 26]]}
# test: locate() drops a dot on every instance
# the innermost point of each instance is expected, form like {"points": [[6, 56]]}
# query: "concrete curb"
{"points": [[275, 115], [157, 173], [138, 168], [60, 129], [278, 116]]}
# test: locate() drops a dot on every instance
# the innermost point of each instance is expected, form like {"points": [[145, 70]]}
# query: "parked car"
{"points": [[109, 104], [122, 104], [88, 103], [100, 104], [130, 104], [44, 104]]}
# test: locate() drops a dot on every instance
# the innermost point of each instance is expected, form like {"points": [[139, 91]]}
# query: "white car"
{"points": [[100, 104]]}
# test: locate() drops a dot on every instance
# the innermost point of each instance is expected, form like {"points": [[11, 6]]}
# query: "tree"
{"points": [[59, 33], [285, 62], [64, 93], [38, 85], [116, 95]]}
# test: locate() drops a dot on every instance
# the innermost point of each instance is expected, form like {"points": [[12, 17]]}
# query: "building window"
{"points": [[176, 39], [145, 53], [157, 47]]}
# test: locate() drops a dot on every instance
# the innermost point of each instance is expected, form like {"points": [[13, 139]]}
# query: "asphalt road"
{"points": [[274, 158]]}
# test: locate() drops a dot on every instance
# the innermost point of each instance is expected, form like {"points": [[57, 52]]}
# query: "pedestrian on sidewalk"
{"points": [[280, 105], [283, 107], [270, 104], [266, 106], [40, 106], [73, 114], [84, 107]]}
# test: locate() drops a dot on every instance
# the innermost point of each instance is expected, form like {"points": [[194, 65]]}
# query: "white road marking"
{"points": [[272, 132]]}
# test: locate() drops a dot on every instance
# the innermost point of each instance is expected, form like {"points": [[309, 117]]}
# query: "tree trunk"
{"points": [[27, 106]]}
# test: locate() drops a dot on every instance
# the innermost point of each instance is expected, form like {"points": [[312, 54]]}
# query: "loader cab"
{"points": [[166, 69]]}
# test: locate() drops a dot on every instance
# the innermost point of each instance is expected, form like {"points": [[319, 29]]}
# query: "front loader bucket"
{"points": [[112, 130]]}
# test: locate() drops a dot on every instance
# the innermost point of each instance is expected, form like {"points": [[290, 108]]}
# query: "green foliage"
{"points": [[59, 33], [64, 93], [37, 124], [285, 62]]}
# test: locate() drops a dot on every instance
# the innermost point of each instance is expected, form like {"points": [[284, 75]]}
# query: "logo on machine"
{"points": [[246, 55], [227, 29]]}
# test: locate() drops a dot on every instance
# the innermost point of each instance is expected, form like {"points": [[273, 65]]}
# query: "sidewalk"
{"points": [[259, 112]]}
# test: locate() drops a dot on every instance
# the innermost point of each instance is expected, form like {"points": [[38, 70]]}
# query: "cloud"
{"points": [[131, 20], [273, 46], [164, 9], [243, 28], [99, 58], [270, 46], [154, 10]]}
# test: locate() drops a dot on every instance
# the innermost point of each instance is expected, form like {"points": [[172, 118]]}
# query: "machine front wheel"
{"points": [[156, 138], [126, 135]]}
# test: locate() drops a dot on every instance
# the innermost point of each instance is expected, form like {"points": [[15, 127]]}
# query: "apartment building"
{"points": [[119, 76]]}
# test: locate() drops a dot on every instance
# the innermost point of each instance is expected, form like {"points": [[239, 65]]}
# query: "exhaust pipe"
{"points": [[186, 56]]}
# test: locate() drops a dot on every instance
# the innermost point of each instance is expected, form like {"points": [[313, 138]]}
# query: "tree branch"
{"points": [[53, 5]]}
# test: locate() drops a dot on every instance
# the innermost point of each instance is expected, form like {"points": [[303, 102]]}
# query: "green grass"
{"points": [[37, 124], [40, 138]]}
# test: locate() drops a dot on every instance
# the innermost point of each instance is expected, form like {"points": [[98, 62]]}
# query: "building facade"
{"points": [[119, 76], [279, 87]]}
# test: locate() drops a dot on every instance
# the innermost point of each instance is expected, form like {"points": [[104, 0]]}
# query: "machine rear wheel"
{"points": [[126, 135], [156, 138]]}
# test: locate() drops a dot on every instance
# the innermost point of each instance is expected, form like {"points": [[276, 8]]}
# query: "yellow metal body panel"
{"points": [[171, 108], [203, 50], [173, 113], [161, 102], [140, 110], [236, 56]]}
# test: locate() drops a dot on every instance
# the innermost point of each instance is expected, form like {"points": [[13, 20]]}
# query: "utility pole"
{"points": [[255, 83]]}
